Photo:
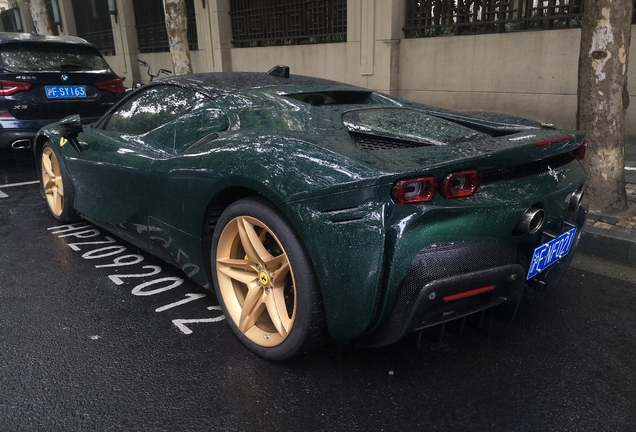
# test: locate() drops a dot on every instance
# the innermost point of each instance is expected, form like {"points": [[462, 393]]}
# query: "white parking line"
{"points": [[4, 195]]}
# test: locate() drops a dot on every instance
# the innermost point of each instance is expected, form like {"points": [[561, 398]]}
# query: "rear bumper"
{"points": [[447, 281], [16, 138]]}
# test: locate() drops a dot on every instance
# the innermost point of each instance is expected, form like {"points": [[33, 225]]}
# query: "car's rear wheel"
{"points": [[56, 185], [265, 281]]}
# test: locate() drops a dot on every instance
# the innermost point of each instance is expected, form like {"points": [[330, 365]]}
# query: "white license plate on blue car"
{"points": [[549, 253], [65, 92]]}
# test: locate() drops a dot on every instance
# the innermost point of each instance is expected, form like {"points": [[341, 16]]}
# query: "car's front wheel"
{"points": [[56, 185], [265, 281]]}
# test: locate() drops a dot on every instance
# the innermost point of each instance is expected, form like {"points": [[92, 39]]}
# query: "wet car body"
{"points": [[407, 215], [46, 78]]}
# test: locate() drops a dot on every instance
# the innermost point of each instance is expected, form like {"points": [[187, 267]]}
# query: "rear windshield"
{"points": [[407, 124], [34, 57]]}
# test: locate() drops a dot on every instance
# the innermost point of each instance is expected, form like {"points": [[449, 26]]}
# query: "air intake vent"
{"points": [[370, 142]]}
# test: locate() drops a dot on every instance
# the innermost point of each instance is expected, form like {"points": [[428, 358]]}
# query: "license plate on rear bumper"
{"points": [[65, 92], [549, 253]]}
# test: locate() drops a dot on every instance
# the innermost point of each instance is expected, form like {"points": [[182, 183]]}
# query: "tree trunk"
{"points": [[603, 100], [40, 18], [177, 27]]}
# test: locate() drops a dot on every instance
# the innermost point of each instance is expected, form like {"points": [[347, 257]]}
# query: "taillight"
{"points": [[412, 191], [114, 86], [460, 184], [553, 141], [580, 153], [8, 88]]}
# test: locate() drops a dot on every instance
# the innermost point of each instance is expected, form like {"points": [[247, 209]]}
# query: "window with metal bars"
{"points": [[287, 22], [92, 21], [150, 21], [426, 18], [11, 20]]}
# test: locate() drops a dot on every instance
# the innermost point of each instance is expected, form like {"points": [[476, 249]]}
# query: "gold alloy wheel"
{"points": [[52, 181], [256, 281]]}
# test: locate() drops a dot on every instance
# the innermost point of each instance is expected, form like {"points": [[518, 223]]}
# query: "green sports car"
{"points": [[318, 210]]}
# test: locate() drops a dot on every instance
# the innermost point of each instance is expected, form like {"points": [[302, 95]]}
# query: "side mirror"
{"points": [[70, 127]]}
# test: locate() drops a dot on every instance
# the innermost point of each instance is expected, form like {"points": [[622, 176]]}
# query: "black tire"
{"points": [[283, 313], [56, 184]]}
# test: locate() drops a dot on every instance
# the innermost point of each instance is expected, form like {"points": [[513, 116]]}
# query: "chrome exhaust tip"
{"points": [[575, 200], [21, 144], [531, 221]]}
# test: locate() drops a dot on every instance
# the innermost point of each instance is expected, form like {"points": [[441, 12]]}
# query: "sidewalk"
{"points": [[613, 237]]}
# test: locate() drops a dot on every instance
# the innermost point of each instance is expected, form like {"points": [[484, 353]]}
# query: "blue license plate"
{"points": [[549, 253], [65, 92]]}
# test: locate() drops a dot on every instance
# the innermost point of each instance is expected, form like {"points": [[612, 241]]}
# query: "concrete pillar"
{"points": [[220, 35], [391, 19], [126, 44], [204, 38], [68, 17], [25, 16], [376, 26], [381, 31], [367, 37]]}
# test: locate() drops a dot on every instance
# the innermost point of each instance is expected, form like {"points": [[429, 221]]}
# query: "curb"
{"points": [[610, 245]]}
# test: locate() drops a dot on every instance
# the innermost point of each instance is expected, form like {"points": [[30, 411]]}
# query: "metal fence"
{"points": [[151, 26], [287, 22], [444, 17], [92, 21]]}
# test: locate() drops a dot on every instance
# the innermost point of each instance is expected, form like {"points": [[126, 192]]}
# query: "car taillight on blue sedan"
{"points": [[114, 86], [8, 88]]}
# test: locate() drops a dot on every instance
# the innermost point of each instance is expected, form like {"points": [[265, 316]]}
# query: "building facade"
{"points": [[457, 54]]}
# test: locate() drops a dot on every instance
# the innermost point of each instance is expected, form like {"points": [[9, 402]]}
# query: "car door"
{"points": [[112, 174]]}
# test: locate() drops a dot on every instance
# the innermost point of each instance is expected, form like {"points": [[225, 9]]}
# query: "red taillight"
{"points": [[8, 88], [469, 293], [580, 153], [416, 190], [553, 141], [460, 184], [114, 86]]}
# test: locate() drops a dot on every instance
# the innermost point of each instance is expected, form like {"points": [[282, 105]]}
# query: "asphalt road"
{"points": [[98, 336]]}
